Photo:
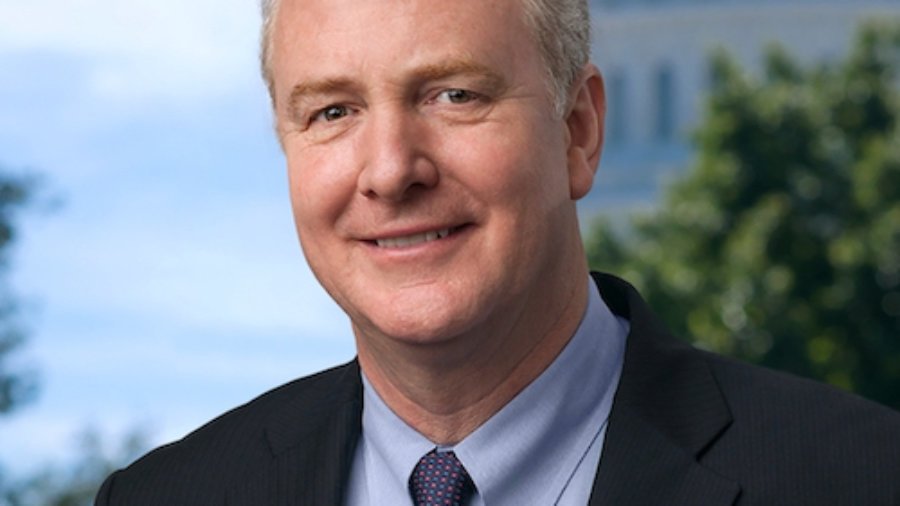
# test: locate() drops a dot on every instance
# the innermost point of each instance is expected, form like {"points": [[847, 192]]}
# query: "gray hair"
{"points": [[561, 29]]}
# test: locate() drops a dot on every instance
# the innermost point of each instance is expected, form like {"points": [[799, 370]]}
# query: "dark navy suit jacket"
{"points": [[686, 428]]}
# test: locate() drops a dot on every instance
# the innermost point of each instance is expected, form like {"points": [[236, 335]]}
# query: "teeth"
{"points": [[412, 240]]}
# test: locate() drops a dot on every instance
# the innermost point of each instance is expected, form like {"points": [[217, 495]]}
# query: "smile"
{"points": [[414, 239]]}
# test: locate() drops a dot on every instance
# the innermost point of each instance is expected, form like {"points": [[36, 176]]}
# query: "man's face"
{"points": [[428, 173]]}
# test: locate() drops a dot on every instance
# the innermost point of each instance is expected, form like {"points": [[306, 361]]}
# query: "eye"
{"points": [[332, 113], [457, 96]]}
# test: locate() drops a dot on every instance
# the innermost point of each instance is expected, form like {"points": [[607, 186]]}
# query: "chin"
{"points": [[420, 322], [423, 330]]}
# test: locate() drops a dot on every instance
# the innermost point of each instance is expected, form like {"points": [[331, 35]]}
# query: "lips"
{"points": [[413, 239]]}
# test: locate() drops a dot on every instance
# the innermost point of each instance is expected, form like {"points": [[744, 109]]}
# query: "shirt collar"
{"points": [[539, 437], [395, 444]]}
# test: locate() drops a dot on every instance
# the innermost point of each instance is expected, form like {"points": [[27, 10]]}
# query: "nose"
{"points": [[396, 166]]}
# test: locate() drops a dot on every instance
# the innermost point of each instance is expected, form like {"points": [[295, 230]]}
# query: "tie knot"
{"points": [[439, 479]]}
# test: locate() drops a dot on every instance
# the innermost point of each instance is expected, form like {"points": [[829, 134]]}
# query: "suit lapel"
{"points": [[316, 472], [312, 439], [667, 412], [641, 466]]}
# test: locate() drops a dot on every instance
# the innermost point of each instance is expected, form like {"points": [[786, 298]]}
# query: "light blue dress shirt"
{"points": [[542, 448]]}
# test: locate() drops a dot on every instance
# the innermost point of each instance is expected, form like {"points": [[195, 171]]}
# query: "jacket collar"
{"points": [[667, 412], [312, 437]]}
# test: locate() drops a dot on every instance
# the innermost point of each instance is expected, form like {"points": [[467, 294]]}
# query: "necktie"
{"points": [[439, 479]]}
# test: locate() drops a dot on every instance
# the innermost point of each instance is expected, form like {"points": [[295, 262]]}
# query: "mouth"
{"points": [[407, 241]]}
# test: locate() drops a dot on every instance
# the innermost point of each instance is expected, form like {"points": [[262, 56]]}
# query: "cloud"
{"points": [[142, 50]]}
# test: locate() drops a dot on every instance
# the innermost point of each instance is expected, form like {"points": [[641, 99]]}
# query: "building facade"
{"points": [[655, 57]]}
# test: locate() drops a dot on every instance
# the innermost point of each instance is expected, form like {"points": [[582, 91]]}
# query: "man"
{"points": [[435, 152]]}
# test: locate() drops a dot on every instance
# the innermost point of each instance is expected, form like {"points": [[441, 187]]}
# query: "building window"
{"points": [[617, 113], [665, 103]]}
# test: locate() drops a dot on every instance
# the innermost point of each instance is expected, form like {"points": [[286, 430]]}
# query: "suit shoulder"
{"points": [[800, 434], [751, 389], [198, 468]]}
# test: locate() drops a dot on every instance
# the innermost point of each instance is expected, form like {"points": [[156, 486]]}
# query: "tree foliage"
{"points": [[75, 483], [16, 385], [70, 484], [781, 244]]}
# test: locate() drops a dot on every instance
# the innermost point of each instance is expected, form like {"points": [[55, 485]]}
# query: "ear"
{"points": [[584, 121]]}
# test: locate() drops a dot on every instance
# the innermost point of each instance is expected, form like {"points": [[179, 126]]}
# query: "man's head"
{"points": [[561, 28], [433, 178]]}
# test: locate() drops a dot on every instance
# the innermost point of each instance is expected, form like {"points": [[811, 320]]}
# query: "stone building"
{"points": [[655, 58]]}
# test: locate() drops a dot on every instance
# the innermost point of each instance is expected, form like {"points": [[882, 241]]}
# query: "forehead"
{"points": [[340, 36], [378, 13]]}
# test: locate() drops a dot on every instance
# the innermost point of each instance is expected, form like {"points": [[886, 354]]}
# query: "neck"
{"points": [[447, 391]]}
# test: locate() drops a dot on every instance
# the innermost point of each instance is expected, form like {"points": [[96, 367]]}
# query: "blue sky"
{"points": [[169, 285]]}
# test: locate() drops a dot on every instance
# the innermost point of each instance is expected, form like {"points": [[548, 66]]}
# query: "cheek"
{"points": [[517, 168], [320, 189], [317, 202]]}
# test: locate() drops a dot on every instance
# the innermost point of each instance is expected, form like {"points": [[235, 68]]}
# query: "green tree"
{"points": [[74, 483], [781, 244], [16, 384], [69, 484]]}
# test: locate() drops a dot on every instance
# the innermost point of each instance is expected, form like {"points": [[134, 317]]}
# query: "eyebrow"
{"points": [[321, 87], [488, 78]]}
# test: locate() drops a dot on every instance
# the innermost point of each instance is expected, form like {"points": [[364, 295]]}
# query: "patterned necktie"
{"points": [[440, 479]]}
